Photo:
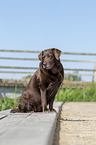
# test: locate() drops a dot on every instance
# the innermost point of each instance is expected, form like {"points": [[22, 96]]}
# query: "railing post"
{"points": [[95, 73]]}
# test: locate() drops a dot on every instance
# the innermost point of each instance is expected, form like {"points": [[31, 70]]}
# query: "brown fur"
{"points": [[43, 85]]}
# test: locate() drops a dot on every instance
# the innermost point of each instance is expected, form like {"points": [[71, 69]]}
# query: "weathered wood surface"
{"points": [[28, 128], [78, 124]]}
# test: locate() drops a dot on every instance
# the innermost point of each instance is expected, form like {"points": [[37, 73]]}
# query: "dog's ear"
{"points": [[40, 55], [57, 53]]}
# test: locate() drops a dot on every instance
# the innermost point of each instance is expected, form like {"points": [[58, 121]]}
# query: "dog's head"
{"points": [[48, 57]]}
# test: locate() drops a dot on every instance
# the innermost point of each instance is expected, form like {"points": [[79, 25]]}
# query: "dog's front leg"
{"points": [[51, 106], [43, 99]]}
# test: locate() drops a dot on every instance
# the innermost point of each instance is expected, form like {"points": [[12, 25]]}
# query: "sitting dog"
{"points": [[44, 84]]}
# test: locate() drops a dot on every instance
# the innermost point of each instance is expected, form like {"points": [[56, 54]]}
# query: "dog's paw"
{"points": [[14, 110], [53, 110]]}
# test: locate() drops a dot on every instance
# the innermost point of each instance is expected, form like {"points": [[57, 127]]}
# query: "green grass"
{"points": [[87, 94], [7, 103]]}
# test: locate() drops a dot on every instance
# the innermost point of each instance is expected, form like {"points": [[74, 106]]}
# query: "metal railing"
{"points": [[13, 69]]}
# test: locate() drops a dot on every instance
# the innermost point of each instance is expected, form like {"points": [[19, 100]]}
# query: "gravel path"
{"points": [[77, 124]]}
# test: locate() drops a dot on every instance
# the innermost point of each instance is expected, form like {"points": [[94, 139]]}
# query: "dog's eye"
{"points": [[43, 57]]}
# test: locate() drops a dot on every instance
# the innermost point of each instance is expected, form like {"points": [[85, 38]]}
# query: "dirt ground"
{"points": [[76, 125]]}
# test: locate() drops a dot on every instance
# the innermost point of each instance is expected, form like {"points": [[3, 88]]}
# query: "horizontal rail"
{"points": [[74, 53], [11, 58], [15, 72], [24, 51], [66, 74], [28, 51], [75, 74], [70, 69], [65, 60], [36, 59], [13, 67]]}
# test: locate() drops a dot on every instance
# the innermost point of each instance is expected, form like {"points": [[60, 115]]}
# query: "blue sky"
{"points": [[69, 25]]}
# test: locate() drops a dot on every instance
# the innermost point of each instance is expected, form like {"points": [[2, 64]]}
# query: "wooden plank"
{"points": [[5, 112], [78, 123], [32, 129], [11, 120]]}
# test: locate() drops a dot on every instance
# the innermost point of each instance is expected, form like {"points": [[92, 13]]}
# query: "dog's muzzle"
{"points": [[45, 66]]}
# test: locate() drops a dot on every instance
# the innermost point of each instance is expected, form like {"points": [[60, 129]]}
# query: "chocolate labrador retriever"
{"points": [[44, 84]]}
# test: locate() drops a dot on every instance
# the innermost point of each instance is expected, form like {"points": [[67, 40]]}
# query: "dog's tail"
{"points": [[14, 110]]}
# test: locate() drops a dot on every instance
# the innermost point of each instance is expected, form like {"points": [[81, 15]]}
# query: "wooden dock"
{"points": [[78, 124], [28, 128]]}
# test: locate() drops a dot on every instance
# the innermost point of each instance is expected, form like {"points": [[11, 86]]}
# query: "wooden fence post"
{"points": [[95, 73]]}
